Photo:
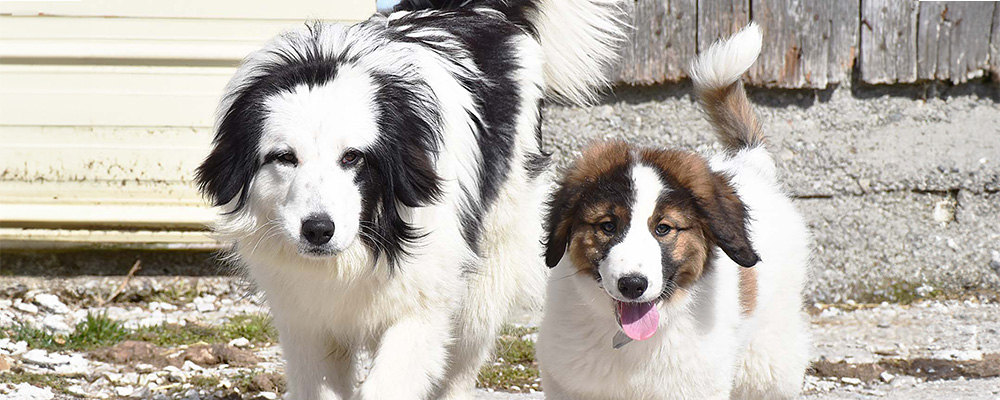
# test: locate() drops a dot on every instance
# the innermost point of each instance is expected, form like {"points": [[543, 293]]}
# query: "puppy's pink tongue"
{"points": [[639, 320]]}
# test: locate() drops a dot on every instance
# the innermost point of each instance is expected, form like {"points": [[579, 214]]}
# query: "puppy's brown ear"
{"points": [[559, 222], [727, 221]]}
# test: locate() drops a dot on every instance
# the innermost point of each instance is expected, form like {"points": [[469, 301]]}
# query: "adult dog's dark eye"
{"points": [[608, 227], [282, 157], [663, 229], [351, 157]]}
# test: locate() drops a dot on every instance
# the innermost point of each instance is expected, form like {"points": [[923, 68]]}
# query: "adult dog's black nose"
{"points": [[317, 229], [632, 286]]}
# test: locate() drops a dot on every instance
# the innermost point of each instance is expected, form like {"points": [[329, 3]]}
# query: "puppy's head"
{"points": [[643, 224], [316, 148]]}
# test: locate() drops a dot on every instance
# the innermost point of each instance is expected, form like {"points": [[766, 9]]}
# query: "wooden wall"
{"points": [[816, 43]]}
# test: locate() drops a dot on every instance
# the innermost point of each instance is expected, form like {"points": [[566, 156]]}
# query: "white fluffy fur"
{"points": [[704, 347], [580, 38], [350, 329], [639, 252], [724, 62]]}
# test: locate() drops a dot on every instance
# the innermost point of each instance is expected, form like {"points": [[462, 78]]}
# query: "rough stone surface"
{"points": [[867, 167]]}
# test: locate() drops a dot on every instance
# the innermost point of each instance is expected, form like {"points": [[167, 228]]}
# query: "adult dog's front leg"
{"points": [[316, 367], [410, 359]]}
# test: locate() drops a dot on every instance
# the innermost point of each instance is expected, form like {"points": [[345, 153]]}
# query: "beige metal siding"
{"points": [[106, 110]]}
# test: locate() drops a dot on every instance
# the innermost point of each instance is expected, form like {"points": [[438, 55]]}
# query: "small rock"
{"points": [[200, 354], [129, 351], [26, 307], [267, 395], [51, 303], [175, 374], [234, 356], [851, 381], [25, 391], [190, 366], [5, 304], [124, 391], [5, 363], [43, 359], [995, 261], [944, 212], [269, 382], [240, 342], [886, 377], [56, 324]]}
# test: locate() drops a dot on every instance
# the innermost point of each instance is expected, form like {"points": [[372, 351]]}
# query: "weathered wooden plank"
{"points": [[953, 40], [844, 40], [995, 44], [720, 18], [797, 42], [888, 41], [661, 43]]}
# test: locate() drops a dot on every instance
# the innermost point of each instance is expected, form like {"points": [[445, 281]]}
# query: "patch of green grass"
{"points": [[258, 328], [97, 330], [173, 334], [36, 338], [58, 383], [202, 381], [515, 362], [255, 327], [174, 294]]}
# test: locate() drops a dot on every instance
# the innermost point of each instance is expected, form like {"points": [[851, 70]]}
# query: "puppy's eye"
{"points": [[282, 157], [608, 227], [351, 157], [663, 229]]}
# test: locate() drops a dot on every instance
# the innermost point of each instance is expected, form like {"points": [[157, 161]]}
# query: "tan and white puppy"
{"points": [[652, 250]]}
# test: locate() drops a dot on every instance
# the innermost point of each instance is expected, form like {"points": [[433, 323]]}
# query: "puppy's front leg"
{"points": [[410, 359]]}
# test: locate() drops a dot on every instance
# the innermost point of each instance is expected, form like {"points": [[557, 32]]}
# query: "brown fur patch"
{"points": [[729, 111], [748, 290]]}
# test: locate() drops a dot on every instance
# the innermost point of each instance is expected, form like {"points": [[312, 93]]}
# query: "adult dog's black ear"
{"points": [[727, 221], [559, 222], [410, 132], [231, 165]]}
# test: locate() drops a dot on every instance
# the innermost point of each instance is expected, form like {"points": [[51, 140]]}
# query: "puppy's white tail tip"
{"points": [[723, 63]]}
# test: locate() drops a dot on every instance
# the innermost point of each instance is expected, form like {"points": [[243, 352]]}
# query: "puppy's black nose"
{"points": [[317, 229], [632, 286]]}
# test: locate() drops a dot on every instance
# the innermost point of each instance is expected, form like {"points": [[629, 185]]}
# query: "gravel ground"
{"points": [[861, 351]]}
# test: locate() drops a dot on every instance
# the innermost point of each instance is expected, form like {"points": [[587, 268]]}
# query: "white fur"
{"points": [[580, 38], [349, 328], [704, 347], [724, 62], [639, 252]]}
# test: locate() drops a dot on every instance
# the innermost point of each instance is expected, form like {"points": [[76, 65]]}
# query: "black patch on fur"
{"points": [[234, 160], [516, 11], [398, 168], [614, 187], [496, 94]]}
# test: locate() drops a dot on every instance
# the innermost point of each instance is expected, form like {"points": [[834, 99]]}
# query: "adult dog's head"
{"points": [[644, 223], [323, 138]]}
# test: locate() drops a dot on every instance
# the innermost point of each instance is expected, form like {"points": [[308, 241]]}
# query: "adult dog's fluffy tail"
{"points": [[580, 38], [716, 75]]}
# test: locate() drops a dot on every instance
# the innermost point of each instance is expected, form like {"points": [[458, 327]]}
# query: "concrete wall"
{"points": [[902, 194]]}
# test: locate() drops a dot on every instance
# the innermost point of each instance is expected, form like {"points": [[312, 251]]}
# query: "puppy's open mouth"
{"points": [[638, 320]]}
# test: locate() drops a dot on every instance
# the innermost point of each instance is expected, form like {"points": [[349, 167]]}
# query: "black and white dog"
{"points": [[382, 184]]}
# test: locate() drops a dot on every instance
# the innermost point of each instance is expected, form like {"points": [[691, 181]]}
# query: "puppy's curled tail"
{"points": [[716, 75]]}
